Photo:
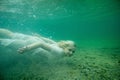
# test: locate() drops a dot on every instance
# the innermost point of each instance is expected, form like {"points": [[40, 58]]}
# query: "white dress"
{"points": [[19, 40]]}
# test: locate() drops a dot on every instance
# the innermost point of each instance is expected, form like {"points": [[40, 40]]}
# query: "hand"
{"points": [[22, 50]]}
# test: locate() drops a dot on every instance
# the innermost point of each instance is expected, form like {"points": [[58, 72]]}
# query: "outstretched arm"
{"points": [[34, 46]]}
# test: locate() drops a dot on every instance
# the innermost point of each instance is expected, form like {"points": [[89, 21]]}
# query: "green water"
{"points": [[92, 24]]}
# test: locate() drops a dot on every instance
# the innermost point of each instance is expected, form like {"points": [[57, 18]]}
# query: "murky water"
{"points": [[93, 25]]}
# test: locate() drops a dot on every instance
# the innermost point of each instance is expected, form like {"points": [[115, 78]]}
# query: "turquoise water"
{"points": [[92, 24]]}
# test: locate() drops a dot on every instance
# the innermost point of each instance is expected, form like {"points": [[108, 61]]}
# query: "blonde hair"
{"points": [[67, 43], [68, 47]]}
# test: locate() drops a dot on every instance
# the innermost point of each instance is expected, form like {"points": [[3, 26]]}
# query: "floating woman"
{"points": [[33, 43]]}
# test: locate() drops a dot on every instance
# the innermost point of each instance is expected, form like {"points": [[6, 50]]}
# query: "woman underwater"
{"points": [[36, 44]]}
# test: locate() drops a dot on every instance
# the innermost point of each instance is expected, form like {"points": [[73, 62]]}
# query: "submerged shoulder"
{"points": [[56, 49]]}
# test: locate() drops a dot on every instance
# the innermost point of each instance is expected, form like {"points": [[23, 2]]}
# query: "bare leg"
{"points": [[4, 33]]}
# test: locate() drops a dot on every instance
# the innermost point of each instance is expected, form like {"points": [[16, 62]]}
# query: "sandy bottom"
{"points": [[86, 64]]}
